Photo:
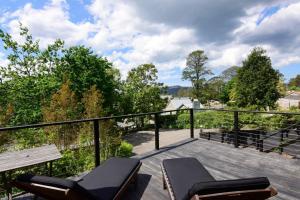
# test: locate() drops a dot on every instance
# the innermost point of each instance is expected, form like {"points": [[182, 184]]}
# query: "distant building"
{"points": [[181, 103], [291, 100], [215, 104]]}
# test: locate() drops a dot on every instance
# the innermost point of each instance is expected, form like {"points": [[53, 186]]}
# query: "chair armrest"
{"points": [[212, 187], [48, 181]]}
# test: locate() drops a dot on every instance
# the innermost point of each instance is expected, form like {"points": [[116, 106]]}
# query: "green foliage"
{"points": [[27, 81], [219, 119], [168, 121], [212, 88], [62, 107], [183, 120], [257, 81], [85, 69], [294, 88], [207, 120], [196, 72], [125, 149], [69, 165], [227, 90], [29, 138], [294, 83], [110, 138], [142, 91]]}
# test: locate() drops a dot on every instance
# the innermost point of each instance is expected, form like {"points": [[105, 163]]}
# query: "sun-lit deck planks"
{"points": [[224, 162]]}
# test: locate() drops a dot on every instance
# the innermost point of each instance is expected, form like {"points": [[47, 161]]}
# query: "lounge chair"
{"points": [[186, 178], [105, 182]]}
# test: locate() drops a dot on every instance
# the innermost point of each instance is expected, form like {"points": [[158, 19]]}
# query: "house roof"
{"points": [[293, 96], [177, 103]]}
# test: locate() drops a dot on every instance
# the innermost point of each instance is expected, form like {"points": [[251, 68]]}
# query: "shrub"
{"points": [[125, 149], [183, 121], [68, 165], [168, 121]]}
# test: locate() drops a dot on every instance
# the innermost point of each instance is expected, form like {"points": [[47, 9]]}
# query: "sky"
{"points": [[163, 32]]}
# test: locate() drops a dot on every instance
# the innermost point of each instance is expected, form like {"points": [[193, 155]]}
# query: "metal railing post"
{"points": [[156, 118], [281, 141], [192, 122], [261, 148], [236, 129], [97, 142]]}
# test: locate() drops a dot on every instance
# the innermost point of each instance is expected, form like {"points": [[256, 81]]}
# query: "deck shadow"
{"points": [[138, 138], [135, 192], [163, 149]]}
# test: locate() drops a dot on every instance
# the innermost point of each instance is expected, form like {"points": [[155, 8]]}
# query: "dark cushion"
{"points": [[212, 187], [183, 173], [105, 181], [49, 181]]}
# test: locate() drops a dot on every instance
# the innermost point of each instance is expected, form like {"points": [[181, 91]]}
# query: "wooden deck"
{"points": [[223, 161]]}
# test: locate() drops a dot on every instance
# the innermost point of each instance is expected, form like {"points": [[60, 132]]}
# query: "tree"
{"points": [[85, 69], [228, 76], [196, 72], [257, 81], [227, 91], [63, 107], [213, 88], [28, 80], [142, 89], [294, 83], [93, 103]]}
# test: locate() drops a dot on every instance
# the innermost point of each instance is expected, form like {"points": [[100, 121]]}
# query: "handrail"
{"points": [[133, 115], [249, 111], [279, 131], [156, 114], [84, 120]]}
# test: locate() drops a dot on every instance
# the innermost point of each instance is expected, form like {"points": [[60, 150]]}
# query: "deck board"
{"points": [[223, 161]]}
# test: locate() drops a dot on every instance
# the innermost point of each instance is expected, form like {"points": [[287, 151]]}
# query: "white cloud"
{"points": [[120, 27], [49, 23], [3, 60], [130, 33]]}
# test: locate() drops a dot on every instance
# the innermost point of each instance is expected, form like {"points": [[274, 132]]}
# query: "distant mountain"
{"points": [[172, 90]]}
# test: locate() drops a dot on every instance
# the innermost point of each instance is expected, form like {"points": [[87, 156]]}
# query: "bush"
{"points": [[183, 121], [68, 165], [125, 149], [168, 121], [206, 119]]}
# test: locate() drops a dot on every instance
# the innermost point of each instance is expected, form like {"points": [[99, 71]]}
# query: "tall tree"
{"points": [[228, 76], [294, 83], [227, 92], [85, 69], [257, 81], [213, 88], [63, 107], [196, 72], [28, 79], [143, 90]]}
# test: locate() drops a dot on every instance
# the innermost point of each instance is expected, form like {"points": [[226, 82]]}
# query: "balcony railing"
{"points": [[265, 131], [232, 130]]}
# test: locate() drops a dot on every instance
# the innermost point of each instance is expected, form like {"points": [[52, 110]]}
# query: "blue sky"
{"points": [[130, 32]]}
